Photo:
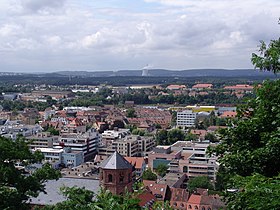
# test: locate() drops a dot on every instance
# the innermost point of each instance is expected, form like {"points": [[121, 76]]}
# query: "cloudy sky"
{"points": [[53, 35]]}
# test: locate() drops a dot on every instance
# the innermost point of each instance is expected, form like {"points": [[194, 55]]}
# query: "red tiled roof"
{"points": [[202, 86], [240, 87], [159, 190], [176, 87], [229, 114], [199, 132], [194, 199], [146, 199], [137, 162], [178, 194]]}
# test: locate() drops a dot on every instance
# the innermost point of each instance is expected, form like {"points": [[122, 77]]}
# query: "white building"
{"points": [[186, 118], [195, 161], [87, 142]]}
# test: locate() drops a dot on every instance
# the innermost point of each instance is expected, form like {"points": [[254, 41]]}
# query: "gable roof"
{"points": [[115, 161], [136, 161]]}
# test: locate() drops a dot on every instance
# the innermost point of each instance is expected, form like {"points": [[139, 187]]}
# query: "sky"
{"points": [[94, 35]]}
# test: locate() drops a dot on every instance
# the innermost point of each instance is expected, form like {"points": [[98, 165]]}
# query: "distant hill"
{"points": [[171, 73]]}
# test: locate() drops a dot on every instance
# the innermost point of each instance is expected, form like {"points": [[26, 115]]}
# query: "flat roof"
{"points": [[53, 194]]}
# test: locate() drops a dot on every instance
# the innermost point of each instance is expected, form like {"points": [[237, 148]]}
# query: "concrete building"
{"points": [[129, 146], [41, 140], [87, 143], [186, 118], [162, 155], [194, 162], [109, 136], [62, 156]]}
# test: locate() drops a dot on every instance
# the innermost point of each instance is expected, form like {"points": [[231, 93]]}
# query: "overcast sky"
{"points": [[53, 35]]}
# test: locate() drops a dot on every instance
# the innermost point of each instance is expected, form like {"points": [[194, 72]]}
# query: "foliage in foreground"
{"points": [[256, 192], [249, 152], [15, 186], [81, 198]]}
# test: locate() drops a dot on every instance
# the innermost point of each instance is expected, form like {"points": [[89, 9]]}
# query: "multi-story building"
{"points": [[109, 136], [194, 162], [130, 145], [87, 142], [41, 140], [186, 118], [59, 155], [126, 147], [162, 155]]}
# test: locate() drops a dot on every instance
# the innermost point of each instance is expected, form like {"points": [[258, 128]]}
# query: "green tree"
{"points": [[15, 187], [199, 182], [256, 192], [138, 132], [175, 135], [212, 137], [161, 137], [269, 56], [149, 175], [130, 113], [161, 170], [162, 205], [191, 137], [83, 199], [53, 131], [252, 144], [249, 151]]}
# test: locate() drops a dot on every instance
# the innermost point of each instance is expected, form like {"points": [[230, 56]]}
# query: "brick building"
{"points": [[116, 174]]}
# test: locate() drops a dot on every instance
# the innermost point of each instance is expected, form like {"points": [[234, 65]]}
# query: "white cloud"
{"points": [[176, 34]]}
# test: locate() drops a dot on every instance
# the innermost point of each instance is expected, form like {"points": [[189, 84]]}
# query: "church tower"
{"points": [[116, 174]]}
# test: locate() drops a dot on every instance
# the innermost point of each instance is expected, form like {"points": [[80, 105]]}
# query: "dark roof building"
{"points": [[115, 161], [116, 174]]}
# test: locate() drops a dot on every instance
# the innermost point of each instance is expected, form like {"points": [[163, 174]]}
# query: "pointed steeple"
{"points": [[115, 161]]}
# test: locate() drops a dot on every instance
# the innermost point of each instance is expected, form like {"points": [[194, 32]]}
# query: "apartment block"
{"points": [[87, 142], [194, 162], [186, 118]]}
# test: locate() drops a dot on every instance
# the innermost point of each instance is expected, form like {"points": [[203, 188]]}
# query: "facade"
{"points": [[179, 198], [205, 202], [195, 162], [109, 136], [59, 155], [87, 143], [129, 146], [186, 118], [72, 158], [116, 174], [126, 147], [42, 140]]}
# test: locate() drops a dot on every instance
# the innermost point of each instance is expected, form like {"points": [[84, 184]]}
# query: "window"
{"points": [[195, 207], [110, 178], [203, 208], [121, 178], [190, 206]]}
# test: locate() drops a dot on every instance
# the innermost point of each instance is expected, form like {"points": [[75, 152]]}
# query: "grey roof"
{"points": [[53, 194], [115, 161]]}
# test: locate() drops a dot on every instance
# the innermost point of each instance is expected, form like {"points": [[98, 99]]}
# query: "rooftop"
{"points": [[115, 161], [53, 194]]}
